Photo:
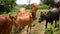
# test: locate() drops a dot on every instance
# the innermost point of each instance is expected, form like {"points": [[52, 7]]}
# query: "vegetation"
{"points": [[51, 30], [9, 7], [6, 5], [27, 6], [49, 2], [43, 6], [39, 27]]}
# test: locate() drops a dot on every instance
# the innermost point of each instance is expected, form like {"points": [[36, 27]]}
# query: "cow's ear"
{"points": [[45, 12], [41, 12]]}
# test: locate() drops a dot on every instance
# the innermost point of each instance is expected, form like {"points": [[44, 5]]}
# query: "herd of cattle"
{"points": [[24, 18]]}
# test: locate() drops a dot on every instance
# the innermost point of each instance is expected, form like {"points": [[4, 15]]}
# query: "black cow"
{"points": [[50, 16]]}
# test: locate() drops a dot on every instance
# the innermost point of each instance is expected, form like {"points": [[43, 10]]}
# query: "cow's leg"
{"points": [[46, 24], [52, 23], [32, 15], [35, 15], [28, 32], [55, 23], [27, 29], [30, 29], [17, 29]]}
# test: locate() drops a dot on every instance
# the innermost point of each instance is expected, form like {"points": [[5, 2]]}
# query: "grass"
{"points": [[39, 28]]}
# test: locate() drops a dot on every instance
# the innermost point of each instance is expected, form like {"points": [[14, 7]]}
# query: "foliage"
{"points": [[6, 5], [49, 2], [14, 10], [51, 30], [41, 6], [44, 7], [39, 28], [27, 6]]}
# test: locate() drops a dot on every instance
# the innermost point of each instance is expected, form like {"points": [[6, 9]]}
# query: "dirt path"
{"points": [[39, 28]]}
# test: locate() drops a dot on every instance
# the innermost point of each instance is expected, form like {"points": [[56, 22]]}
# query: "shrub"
{"points": [[44, 7], [27, 6], [51, 30]]}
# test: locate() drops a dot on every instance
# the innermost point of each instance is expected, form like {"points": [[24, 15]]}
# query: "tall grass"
{"points": [[51, 30]]}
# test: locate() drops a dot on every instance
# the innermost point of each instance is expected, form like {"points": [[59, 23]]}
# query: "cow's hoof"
{"points": [[33, 25], [29, 33], [45, 33]]}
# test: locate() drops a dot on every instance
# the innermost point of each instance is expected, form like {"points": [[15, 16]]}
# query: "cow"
{"points": [[5, 24], [23, 18], [50, 16], [57, 4], [34, 8]]}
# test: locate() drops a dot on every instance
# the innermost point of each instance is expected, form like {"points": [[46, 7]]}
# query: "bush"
{"points": [[44, 7], [27, 6], [39, 6], [49, 2], [51, 30]]}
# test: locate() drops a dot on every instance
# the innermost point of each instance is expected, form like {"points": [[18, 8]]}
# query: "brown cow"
{"points": [[23, 18], [34, 9], [57, 4], [5, 24]]}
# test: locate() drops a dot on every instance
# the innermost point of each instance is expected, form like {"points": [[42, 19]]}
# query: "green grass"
{"points": [[39, 28]]}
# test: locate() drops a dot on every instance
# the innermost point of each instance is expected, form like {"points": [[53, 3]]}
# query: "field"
{"points": [[39, 28], [11, 7]]}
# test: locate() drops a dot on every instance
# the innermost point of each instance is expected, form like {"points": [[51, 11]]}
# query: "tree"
{"points": [[28, 4], [7, 5], [48, 2]]}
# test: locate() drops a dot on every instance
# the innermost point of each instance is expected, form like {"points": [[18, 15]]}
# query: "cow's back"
{"points": [[5, 24], [24, 19], [53, 14]]}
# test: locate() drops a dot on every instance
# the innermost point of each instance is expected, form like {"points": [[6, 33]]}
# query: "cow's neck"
{"points": [[46, 16]]}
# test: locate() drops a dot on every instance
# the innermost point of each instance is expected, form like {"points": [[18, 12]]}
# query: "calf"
{"points": [[23, 18], [52, 15], [57, 4], [34, 8], [5, 24]]}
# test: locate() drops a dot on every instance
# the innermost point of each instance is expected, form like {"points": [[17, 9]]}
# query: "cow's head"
{"points": [[42, 17], [34, 7], [22, 10]]}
